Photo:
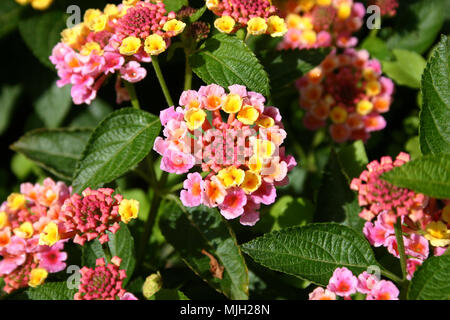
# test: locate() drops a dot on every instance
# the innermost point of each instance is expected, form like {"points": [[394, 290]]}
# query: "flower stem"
{"points": [[400, 246], [133, 95], [391, 276], [161, 80]]}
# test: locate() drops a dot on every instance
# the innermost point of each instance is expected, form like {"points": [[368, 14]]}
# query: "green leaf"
{"points": [[118, 144], [312, 252], [175, 5], [91, 251], [429, 175], [377, 48], [431, 280], [8, 98], [41, 32], [407, 69], [226, 60], [353, 159], [417, 25], [51, 291], [21, 166], [434, 130], [198, 14], [9, 16], [286, 66], [192, 230], [335, 200], [53, 105], [56, 150], [121, 244], [289, 212]]}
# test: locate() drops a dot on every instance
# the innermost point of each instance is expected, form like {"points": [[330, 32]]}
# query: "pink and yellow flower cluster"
{"points": [[323, 23], [35, 224], [347, 93], [26, 219], [258, 16], [235, 140], [344, 284], [113, 41], [425, 221]]}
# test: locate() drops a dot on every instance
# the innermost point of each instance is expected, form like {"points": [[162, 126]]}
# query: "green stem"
{"points": [[400, 246], [391, 276], [149, 224], [161, 80], [133, 95], [188, 73]]}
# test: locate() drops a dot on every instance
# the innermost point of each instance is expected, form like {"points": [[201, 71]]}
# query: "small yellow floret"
{"points": [[438, 234], [252, 182], [344, 11], [90, 47], [257, 26], [37, 277], [364, 107], [263, 148], [255, 164], [129, 3], [98, 24], [50, 235], [276, 26], [154, 45], [23, 2], [248, 115], [130, 46], [309, 37], [373, 88], [128, 210], [231, 176], [323, 3], [174, 26], [212, 4], [232, 104], [306, 5], [338, 115], [195, 118], [41, 4], [16, 201], [111, 10], [3, 219], [225, 24], [265, 122], [25, 230]]}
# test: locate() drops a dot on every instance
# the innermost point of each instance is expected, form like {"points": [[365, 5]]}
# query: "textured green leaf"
{"points": [[226, 60], [53, 105], [353, 159], [312, 252], [9, 16], [41, 32], [118, 144], [91, 251], [175, 5], [417, 25], [434, 130], [56, 150], [429, 175], [377, 48], [8, 98], [51, 291], [121, 244], [431, 281], [191, 230], [407, 69], [92, 115], [287, 66], [288, 212], [335, 200]]}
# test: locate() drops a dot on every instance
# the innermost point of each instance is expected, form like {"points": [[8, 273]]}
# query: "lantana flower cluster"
{"points": [[25, 219], [36, 223], [104, 282], [236, 142], [258, 16], [425, 221], [387, 7], [344, 284], [36, 4], [113, 41], [347, 93], [315, 24]]}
